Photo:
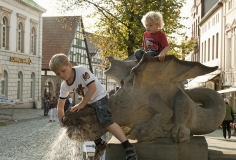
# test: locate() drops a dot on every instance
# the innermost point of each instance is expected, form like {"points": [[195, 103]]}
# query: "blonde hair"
{"points": [[226, 100], [156, 17], [57, 61]]}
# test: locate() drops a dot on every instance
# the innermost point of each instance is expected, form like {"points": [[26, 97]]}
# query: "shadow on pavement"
{"points": [[219, 155]]}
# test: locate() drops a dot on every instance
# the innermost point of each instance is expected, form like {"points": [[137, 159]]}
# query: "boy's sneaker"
{"points": [[131, 153], [100, 149]]}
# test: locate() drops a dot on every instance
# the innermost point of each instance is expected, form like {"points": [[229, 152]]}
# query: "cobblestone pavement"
{"points": [[30, 136]]}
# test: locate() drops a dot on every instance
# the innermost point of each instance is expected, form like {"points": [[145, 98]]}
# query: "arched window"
{"points": [[20, 86], [33, 41], [4, 84], [20, 38], [5, 27], [4, 32], [32, 86]]}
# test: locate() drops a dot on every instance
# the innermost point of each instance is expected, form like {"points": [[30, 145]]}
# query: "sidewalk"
{"points": [[218, 147], [20, 114]]}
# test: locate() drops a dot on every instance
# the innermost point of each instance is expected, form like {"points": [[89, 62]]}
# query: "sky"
{"points": [[49, 5]]}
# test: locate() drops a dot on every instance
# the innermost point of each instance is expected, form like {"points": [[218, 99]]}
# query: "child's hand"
{"points": [[76, 108], [161, 57]]}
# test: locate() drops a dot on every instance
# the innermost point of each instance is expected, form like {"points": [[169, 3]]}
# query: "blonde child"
{"points": [[154, 39]]}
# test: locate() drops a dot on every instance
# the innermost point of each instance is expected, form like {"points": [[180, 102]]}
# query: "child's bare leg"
{"points": [[117, 132], [115, 129]]}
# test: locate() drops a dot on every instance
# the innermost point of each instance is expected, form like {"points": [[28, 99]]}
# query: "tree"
{"points": [[119, 28]]}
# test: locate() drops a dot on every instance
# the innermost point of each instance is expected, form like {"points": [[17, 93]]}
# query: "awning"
{"points": [[203, 78], [198, 81], [227, 90]]}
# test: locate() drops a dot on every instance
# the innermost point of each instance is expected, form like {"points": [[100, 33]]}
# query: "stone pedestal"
{"points": [[163, 148]]}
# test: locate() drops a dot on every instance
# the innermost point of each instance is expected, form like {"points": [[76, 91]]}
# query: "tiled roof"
{"points": [[58, 34]]}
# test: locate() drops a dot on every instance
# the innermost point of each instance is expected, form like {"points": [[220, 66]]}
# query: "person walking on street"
{"points": [[229, 117], [46, 105], [53, 109]]}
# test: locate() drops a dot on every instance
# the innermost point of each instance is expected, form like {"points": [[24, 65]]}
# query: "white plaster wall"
{"points": [[13, 68], [230, 44], [30, 14], [208, 34], [230, 19]]}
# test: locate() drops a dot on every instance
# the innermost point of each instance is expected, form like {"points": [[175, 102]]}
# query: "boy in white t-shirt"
{"points": [[79, 79]]}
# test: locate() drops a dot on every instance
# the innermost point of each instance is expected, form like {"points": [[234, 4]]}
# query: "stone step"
{"points": [[162, 149]]}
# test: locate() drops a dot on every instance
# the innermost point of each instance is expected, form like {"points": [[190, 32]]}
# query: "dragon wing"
{"points": [[172, 68], [119, 70]]}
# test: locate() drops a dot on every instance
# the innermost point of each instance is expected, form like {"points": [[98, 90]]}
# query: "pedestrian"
{"points": [[53, 109], [46, 105], [79, 79], [229, 117], [154, 42]]}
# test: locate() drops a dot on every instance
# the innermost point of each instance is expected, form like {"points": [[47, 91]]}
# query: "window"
{"points": [[202, 53], [32, 86], [78, 57], [205, 51], [4, 27], [4, 84], [20, 37], [4, 32], [33, 36], [20, 86], [20, 32], [217, 41], [209, 54], [78, 42], [33, 41], [229, 4], [213, 46]]}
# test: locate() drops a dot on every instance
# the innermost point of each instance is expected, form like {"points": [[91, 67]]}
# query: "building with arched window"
{"points": [[21, 51]]}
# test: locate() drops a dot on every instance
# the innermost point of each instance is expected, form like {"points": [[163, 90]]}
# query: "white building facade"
{"points": [[216, 41], [229, 51], [21, 51], [207, 31]]}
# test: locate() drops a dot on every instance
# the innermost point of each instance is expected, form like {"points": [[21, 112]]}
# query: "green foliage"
{"points": [[119, 28], [182, 49]]}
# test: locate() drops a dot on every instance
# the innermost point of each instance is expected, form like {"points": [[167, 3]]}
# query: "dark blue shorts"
{"points": [[103, 112]]}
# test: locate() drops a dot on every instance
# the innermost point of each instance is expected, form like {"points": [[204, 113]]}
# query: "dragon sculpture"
{"points": [[152, 102]]}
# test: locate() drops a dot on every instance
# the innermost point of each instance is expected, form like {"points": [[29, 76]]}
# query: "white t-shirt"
{"points": [[83, 77]]}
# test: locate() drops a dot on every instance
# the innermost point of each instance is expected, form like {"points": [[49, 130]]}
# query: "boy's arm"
{"points": [[165, 50], [60, 109], [163, 53], [86, 98]]}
